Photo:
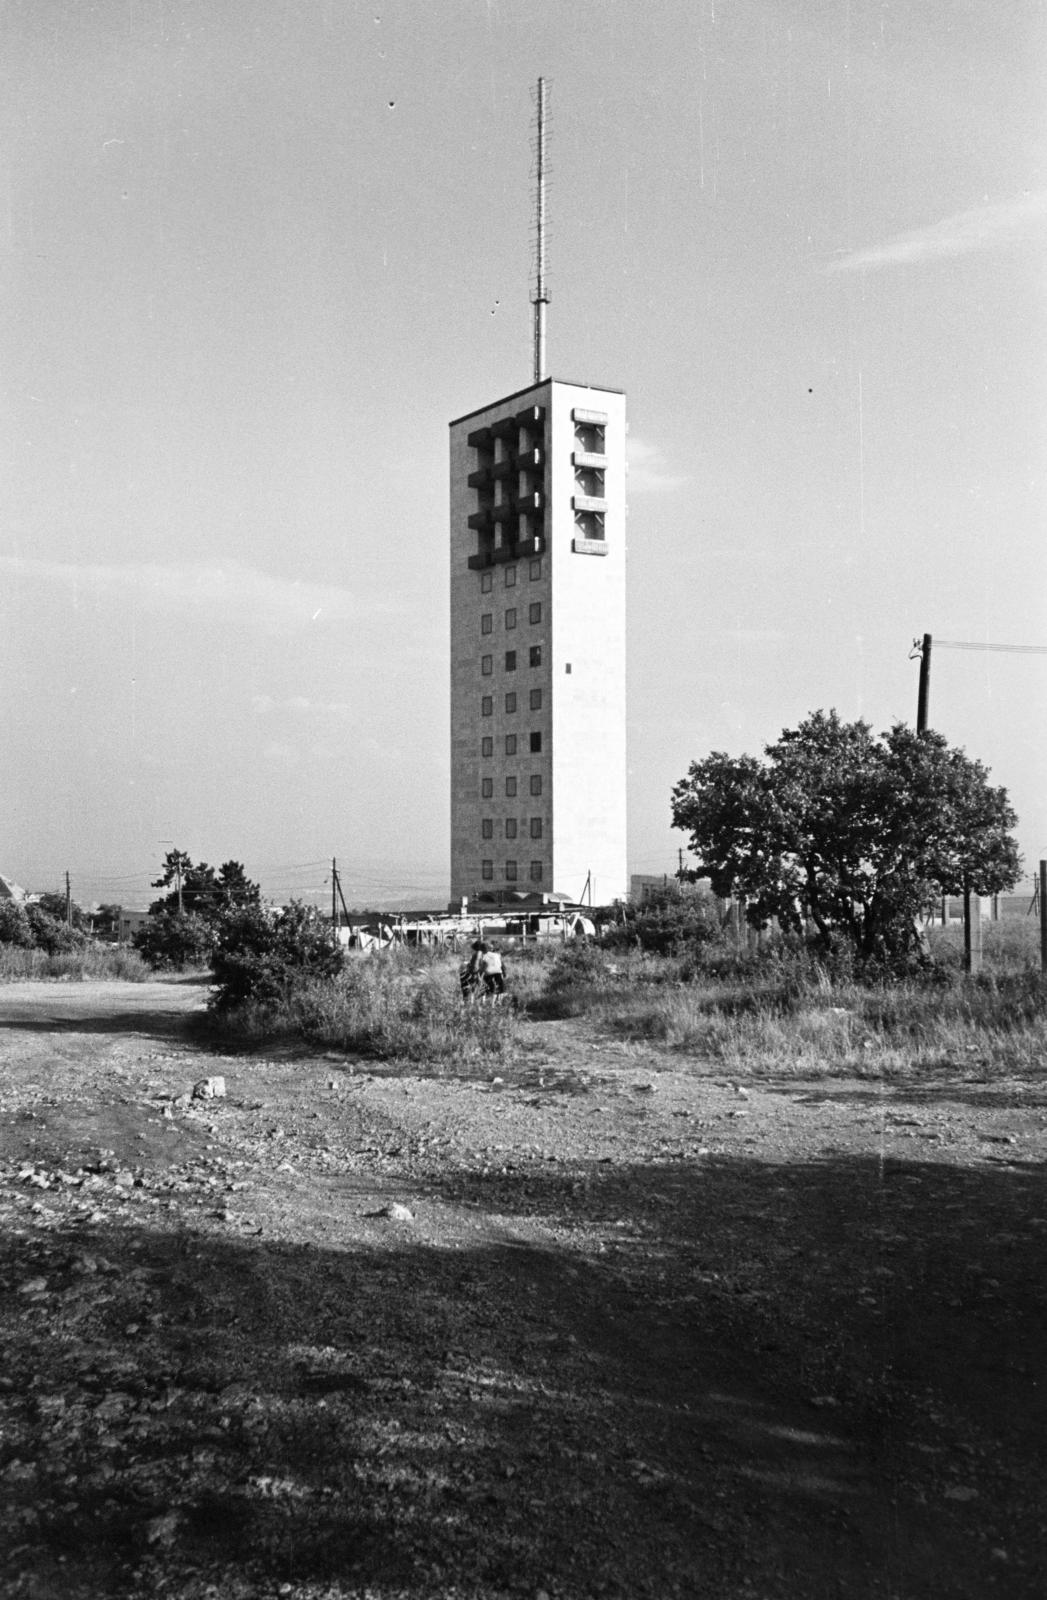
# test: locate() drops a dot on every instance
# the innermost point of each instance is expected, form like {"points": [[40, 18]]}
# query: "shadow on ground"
{"points": [[728, 1379]]}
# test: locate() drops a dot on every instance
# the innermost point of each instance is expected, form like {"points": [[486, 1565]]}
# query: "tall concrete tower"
{"points": [[538, 644]]}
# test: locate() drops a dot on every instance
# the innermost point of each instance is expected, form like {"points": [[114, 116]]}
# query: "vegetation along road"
{"points": [[595, 1320]]}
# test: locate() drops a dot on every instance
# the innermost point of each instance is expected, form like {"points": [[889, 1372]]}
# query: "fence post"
{"points": [[972, 931]]}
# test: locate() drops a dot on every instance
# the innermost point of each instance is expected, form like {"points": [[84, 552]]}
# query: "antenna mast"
{"points": [[540, 298]]}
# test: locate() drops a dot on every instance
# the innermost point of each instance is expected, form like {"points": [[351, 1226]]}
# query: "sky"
{"points": [[259, 253]]}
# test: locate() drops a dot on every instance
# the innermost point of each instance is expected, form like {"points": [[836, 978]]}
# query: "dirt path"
{"points": [[603, 1324]]}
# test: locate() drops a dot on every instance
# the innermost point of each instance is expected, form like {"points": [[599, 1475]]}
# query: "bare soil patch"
{"points": [[597, 1323]]}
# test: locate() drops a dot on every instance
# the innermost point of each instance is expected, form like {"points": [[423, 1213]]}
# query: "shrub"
{"points": [[263, 958], [15, 927], [171, 942], [667, 924]]}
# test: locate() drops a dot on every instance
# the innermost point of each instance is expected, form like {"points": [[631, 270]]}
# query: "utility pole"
{"points": [[924, 692], [68, 902], [334, 893], [1043, 916]]}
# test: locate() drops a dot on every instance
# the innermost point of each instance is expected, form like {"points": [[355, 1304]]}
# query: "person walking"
{"points": [[492, 971], [469, 974]]}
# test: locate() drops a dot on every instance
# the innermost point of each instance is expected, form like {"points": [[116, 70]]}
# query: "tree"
{"points": [[203, 891], [173, 941], [262, 957], [54, 904], [848, 832]]}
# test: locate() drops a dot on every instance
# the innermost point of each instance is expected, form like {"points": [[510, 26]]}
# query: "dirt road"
{"points": [[600, 1324]]}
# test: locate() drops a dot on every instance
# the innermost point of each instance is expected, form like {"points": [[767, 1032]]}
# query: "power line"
{"points": [[1014, 649]]}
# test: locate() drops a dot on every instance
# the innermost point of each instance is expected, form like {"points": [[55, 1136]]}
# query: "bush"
{"points": [[667, 924], [15, 927], [51, 935], [171, 942], [263, 958]]}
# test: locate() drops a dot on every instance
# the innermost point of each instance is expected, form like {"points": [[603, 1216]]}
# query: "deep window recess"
{"points": [[510, 787], [535, 655], [510, 661], [487, 665], [510, 703], [486, 788], [487, 747], [510, 577], [510, 871], [510, 744], [487, 828], [487, 869], [536, 827], [486, 579], [535, 612], [536, 570], [510, 827], [487, 706], [536, 699], [510, 617], [536, 783], [536, 743], [487, 622], [536, 871]]}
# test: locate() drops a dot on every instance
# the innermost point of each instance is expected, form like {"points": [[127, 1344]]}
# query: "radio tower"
{"points": [[540, 297]]}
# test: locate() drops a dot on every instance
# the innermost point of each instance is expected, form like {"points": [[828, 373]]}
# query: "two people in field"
{"points": [[483, 975]]}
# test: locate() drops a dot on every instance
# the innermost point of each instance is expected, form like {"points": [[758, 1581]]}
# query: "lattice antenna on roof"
{"points": [[540, 292]]}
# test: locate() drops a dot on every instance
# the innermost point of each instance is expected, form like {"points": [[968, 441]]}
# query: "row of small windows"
{"points": [[487, 578], [511, 874], [487, 828], [534, 614], [487, 703], [534, 659], [487, 749], [487, 786]]}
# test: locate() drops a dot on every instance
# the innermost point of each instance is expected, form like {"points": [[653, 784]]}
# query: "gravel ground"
{"points": [[602, 1323]]}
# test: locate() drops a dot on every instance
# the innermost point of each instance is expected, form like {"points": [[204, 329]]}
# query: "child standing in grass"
{"points": [[492, 971]]}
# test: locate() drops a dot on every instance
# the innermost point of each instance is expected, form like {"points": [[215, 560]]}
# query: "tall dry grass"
{"points": [[93, 960]]}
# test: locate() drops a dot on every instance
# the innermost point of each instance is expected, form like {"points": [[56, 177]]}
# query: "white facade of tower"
{"points": [[538, 773]]}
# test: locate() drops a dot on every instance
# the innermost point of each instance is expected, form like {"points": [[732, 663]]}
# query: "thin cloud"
{"points": [[648, 473], [251, 596], [982, 228]]}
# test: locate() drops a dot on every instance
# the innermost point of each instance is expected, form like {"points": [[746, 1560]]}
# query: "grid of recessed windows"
{"points": [[535, 611], [536, 871], [486, 746], [510, 577], [485, 582], [536, 570], [486, 788], [487, 665], [510, 787], [536, 743], [487, 706], [486, 828], [510, 827], [536, 827], [536, 699], [510, 744], [534, 656], [510, 661], [487, 869], [510, 702], [487, 622], [536, 783], [510, 871]]}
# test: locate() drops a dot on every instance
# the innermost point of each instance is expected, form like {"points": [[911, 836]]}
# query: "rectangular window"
{"points": [[487, 665], [536, 699], [486, 828], [536, 871], [510, 703], [536, 827], [510, 871], [486, 788], [510, 577], [485, 582], [536, 570], [510, 661], [510, 827], [536, 743], [487, 706], [536, 783], [487, 622], [487, 746], [510, 787], [535, 655], [535, 612], [510, 617], [510, 744], [487, 870]]}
